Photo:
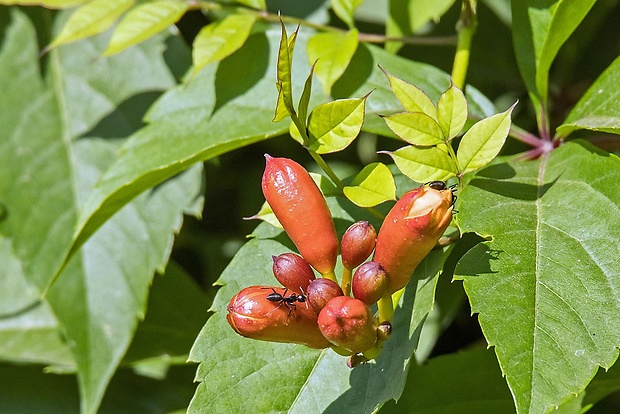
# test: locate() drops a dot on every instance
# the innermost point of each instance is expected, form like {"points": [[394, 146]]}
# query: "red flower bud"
{"points": [[410, 230], [348, 323], [253, 315], [321, 291], [301, 209], [292, 271], [358, 242], [369, 282]]}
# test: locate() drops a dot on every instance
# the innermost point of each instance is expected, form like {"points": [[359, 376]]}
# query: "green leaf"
{"points": [[52, 4], [411, 97], [257, 4], [144, 21], [344, 9], [416, 128], [266, 214], [452, 112], [320, 379], [284, 105], [218, 40], [424, 164], [97, 300], [304, 101], [332, 52], [483, 141], [540, 28], [598, 109], [545, 286], [373, 185], [91, 19], [334, 125], [192, 123], [465, 382], [406, 17]]}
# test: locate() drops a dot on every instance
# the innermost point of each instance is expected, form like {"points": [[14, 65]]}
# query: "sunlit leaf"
{"points": [[52, 4], [218, 40], [90, 19], [334, 125], [416, 128], [257, 4], [143, 21], [284, 105], [599, 108], [411, 97], [483, 141], [423, 164], [452, 112], [545, 285], [344, 9], [332, 52], [373, 185]]}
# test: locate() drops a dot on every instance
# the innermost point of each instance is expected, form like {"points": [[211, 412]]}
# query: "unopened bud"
{"points": [[410, 231], [276, 315], [357, 244], [348, 323], [369, 282], [321, 291], [292, 271]]}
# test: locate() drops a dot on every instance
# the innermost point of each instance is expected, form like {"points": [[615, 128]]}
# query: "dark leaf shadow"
{"points": [[242, 70], [357, 73]]}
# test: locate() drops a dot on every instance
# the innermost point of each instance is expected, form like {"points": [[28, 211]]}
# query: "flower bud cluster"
{"points": [[318, 312]]}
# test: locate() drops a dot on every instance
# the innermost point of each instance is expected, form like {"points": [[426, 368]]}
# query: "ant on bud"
{"points": [[287, 301]]}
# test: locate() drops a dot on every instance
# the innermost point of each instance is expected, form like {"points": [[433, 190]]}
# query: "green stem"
{"points": [[347, 275], [386, 308], [328, 170], [465, 28], [330, 275]]}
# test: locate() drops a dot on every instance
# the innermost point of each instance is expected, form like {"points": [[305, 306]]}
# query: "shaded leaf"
{"points": [[334, 125], [540, 28], [218, 40], [416, 128], [598, 109], [95, 305], [483, 141], [332, 52], [90, 19], [406, 17], [184, 128], [373, 185], [465, 382], [545, 286], [143, 21], [452, 112], [424, 164]]}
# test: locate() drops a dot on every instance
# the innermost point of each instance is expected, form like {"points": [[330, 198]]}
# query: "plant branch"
{"points": [[466, 27]]}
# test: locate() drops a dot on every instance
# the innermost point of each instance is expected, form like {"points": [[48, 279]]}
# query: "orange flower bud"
{"points": [[410, 230], [321, 291], [301, 209], [292, 271], [348, 323], [369, 282], [358, 242], [258, 312]]}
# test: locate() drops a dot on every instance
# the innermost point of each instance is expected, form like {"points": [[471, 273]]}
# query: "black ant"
{"points": [[440, 185], [287, 301]]}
